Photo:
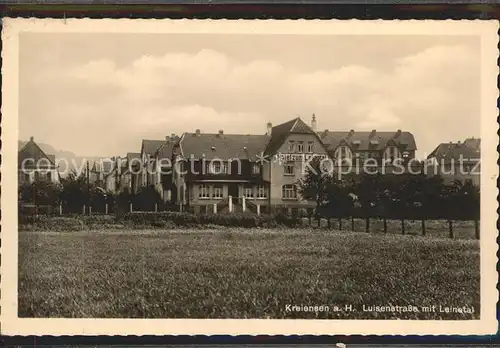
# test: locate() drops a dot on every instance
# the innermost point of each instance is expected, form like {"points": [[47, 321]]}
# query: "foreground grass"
{"points": [[233, 273]]}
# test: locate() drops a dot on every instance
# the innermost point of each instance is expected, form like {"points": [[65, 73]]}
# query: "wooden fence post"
{"points": [[450, 228], [340, 223], [106, 209], [385, 224], [367, 224], [215, 208], [403, 226], [258, 209], [84, 209], [130, 207], [60, 209], [156, 207], [423, 227], [476, 228], [352, 223]]}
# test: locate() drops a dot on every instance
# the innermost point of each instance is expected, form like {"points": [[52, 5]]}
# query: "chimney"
{"points": [[221, 132], [313, 123], [351, 132], [269, 129], [373, 133], [32, 139], [167, 138], [197, 132]]}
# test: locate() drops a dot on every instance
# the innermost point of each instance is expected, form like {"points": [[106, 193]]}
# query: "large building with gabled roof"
{"points": [[203, 171]]}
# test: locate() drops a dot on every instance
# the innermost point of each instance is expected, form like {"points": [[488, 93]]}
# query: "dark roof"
{"points": [[454, 151], [222, 146], [36, 155], [366, 141], [132, 158], [166, 149], [133, 155], [280, 132], [149, 147], [473, 143], [105, 165]]}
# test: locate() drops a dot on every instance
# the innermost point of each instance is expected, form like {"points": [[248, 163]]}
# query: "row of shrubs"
{"points": [[159, 219], [153, 220]]}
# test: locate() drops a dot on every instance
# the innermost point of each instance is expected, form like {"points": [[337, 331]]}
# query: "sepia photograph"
{"points": [[291, 171]]}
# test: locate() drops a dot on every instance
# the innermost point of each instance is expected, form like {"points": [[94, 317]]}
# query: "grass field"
{"points": [[237, 273]]}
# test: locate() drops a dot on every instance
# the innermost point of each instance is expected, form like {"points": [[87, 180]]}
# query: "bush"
{"points": [[157, 219]]}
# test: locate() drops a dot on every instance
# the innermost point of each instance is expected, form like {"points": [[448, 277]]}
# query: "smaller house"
{"points": [[103, 173], [34, 164], [456, 161], [148, 150], [128, 166], [163, 168]]}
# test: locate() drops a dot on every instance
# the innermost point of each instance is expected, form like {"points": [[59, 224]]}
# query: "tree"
{"points": [[464, 203], [369, 190], [313, 186], [40, 193], [147, 198], [339, 200], [75, 192]]}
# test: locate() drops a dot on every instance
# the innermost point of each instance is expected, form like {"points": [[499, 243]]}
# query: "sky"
{"points": [[101, 94]]}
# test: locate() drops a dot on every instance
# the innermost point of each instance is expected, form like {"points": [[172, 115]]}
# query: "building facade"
{"points": [[35, 165], [209, 172], [456, 161]]}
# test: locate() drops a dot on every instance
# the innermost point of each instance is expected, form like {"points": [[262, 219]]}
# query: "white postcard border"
{"points": [[12, 325]]}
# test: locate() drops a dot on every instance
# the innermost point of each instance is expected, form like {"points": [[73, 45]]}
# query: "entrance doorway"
{"points": [[232, 190]]}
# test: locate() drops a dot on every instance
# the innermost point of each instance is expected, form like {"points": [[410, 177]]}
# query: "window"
{"points": [[300, 146], [289, 192], [289, 169], [217, 167], [255, 168], [49, 176], [343, 152], [261, 191], [391, 153], [218, 192], [310, 146], [291, 146], [248, 192], [203, 193]]}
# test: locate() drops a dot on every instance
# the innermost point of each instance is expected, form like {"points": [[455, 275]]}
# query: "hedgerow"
{"points": [[197, 220]]}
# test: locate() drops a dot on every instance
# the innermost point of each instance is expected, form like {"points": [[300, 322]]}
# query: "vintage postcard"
{"points": [[249, 177]]}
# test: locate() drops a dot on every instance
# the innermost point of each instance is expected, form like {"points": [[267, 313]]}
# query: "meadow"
{"points": [[242, 273]]}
